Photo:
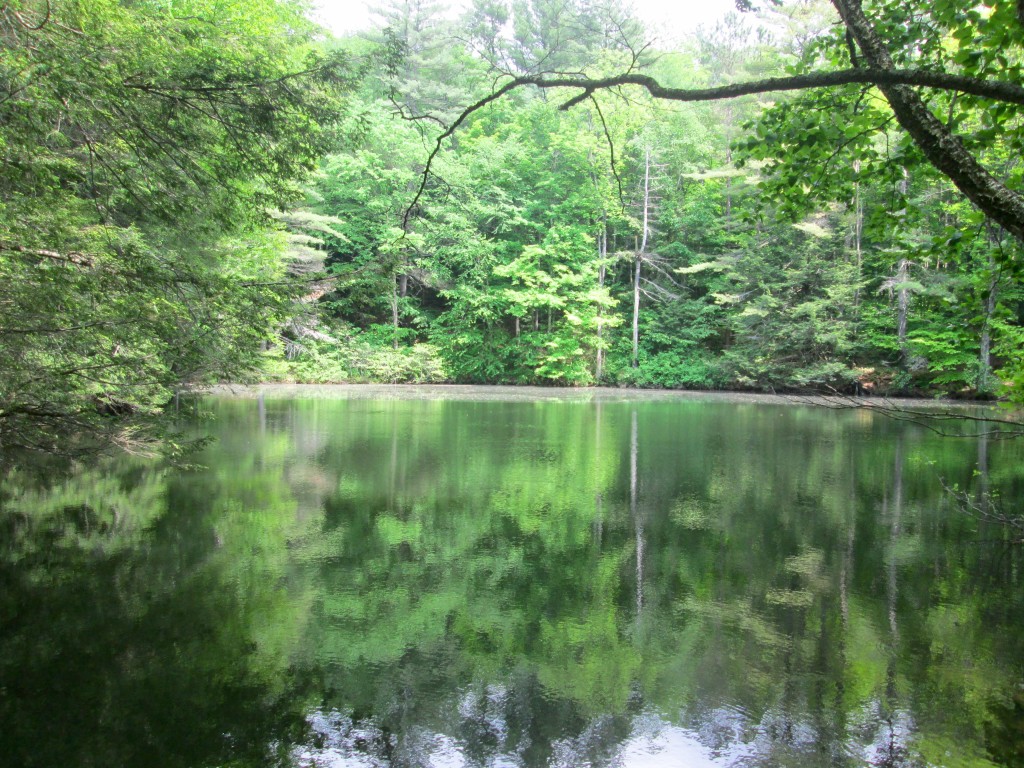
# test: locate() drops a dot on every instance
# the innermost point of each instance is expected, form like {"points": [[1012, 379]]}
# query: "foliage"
{"points": [[834, 259], [361, 359], [142, 146]]}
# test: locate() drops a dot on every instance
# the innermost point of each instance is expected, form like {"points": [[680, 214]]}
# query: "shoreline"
{"points": [[513, 393]]}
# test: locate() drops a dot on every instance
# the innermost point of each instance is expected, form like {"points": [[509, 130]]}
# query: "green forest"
{"points": [[809, 196]]}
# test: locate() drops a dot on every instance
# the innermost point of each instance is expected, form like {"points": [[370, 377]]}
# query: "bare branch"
{"points": [[508, 87], [996, 90], [933, 420], [611, 151], [400, 110], [987, 510]]}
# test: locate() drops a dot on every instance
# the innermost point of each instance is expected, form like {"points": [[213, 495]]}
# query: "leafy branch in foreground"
{"points": [[142, 147]]}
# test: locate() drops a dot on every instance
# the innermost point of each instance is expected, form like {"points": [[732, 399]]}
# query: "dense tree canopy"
{"points": [[142, 145], [575, 223]]}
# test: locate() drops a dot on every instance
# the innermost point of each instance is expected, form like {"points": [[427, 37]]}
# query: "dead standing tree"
{"points": [[643, 255]]}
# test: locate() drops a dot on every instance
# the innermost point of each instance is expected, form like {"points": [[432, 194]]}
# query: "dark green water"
{"points": [[460, 582]]}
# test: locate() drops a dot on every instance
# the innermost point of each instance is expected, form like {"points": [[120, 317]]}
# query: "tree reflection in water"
{"points": [[446, 582]]}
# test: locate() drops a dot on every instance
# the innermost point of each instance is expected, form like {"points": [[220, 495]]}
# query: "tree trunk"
{"points": [[728, 164], [902, 308], [858, 234], [394, 312], [985, 356], [602, 253], [640, 256]]}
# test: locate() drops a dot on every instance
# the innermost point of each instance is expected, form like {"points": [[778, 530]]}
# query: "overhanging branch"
{"points": [[996, 90], [943, 149]]}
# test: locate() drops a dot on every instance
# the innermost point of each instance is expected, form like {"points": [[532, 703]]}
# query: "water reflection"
{"points": [[449, 583]]}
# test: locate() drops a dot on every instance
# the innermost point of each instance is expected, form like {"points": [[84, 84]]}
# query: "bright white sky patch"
{"points": [[667, 19]]}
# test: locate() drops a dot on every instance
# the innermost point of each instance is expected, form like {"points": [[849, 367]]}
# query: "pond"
{"points": [[450, 577]]}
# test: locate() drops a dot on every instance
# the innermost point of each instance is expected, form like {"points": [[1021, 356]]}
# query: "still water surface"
{"points": [[366, 578]]}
